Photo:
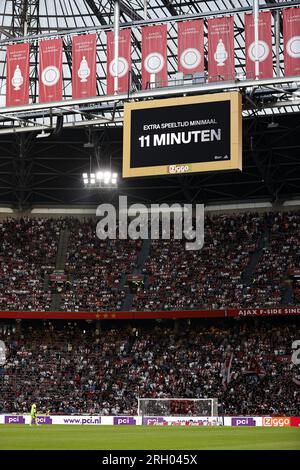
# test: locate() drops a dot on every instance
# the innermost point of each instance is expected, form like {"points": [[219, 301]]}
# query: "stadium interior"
{"points": [[89, 325]]}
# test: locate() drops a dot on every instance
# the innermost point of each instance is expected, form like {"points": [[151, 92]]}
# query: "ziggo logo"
{"points": [[179, 168], [277, 422]]}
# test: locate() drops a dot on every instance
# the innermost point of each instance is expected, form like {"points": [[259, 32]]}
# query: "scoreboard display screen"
{"points": [[182, 135]]}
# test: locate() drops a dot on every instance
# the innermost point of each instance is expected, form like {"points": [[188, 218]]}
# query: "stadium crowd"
{"points": [[70, 368], [96, 268], [281, 253], [28, 248], [215, 277], [210, 278]]}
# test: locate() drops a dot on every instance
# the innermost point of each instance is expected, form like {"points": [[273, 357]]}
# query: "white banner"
{"points": [[88, 420]]}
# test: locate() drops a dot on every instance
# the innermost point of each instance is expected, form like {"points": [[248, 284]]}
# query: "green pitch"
{"points": [[146, 437]]}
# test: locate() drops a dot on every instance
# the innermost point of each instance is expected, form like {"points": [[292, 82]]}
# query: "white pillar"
{"points": [[116, 39], [255, 16]]}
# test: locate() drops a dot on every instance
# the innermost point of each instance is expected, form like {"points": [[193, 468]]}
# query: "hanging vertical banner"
{"points": [[190, 46], [291, 35], [154, 55], [84, 66], [124, 61], [220, 49], [17, 75], [50, 71], [264, 45]]}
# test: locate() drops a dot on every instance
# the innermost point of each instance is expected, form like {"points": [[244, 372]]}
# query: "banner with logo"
{"points": [[190, 46], [26, 419], [124, 61], [81, 420], [124, 420], [154, 55], [277, 422], [242, 421], [84, 66], [14, 419], [220, 49], [17, 75], [291, 37], [264, 50], [50, 71], [114, 315], [263, 312], [182, 421]]}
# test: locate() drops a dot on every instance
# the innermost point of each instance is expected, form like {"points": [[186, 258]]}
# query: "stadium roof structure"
{"points": [[88, 133]]}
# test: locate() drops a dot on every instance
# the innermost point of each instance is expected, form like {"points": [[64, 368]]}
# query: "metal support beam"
{"points": [[116, 44], [170, 7], [143, 22], [96, 11], [256, 35], [67, 125], [158, 93], [277, 42], [129, 11]]}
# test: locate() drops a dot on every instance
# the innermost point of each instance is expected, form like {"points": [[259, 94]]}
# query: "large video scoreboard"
{"points": [[182, 135]]}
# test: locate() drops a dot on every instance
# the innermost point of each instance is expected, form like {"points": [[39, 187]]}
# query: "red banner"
{"points": [[154, 55], [124, 61], [190, 46], [264, 45], [84, 66], [116, 315], [50, 71], [291, 34], [17, 76], [295, 421], [255, 312], [258, 312], [220, 49]]}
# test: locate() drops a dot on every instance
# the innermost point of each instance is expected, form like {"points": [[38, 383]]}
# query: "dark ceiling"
{"points": [[48, 171]]}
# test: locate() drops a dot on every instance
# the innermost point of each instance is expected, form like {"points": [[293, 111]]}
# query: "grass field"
{"points": [[146, 437]]}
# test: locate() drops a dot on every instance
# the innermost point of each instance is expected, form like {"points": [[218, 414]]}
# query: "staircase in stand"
{"points": [[141, 259], [255, 258], [61, 258]]}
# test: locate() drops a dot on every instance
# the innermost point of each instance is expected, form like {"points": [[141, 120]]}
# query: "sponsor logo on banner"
{"points": [[181, 421], [243, 422], [155, 421], [14, 420], [256, 312], [44, 420], [125, 420], [179, 169], [82, 420], [277, 421]]}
